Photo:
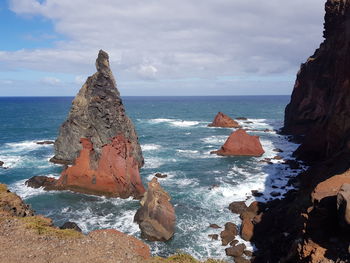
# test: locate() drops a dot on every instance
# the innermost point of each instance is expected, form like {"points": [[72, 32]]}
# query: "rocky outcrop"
{"points": [[12, 205], [240, 143], [343, 207], [98, 142], [98, 114], [224, 121], [229, 233], [319, 109], [308, 224], [156, 216]]}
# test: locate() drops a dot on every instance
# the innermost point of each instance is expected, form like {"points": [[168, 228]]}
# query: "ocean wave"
{"points": [[23, 146], [174, 122], [216, 140], [150, 147]]}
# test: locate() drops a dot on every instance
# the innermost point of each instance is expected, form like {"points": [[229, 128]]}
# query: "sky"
{"points": [[157, 47]]}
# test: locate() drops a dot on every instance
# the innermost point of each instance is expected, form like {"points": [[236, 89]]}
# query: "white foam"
{"points": [[184, 123], [24, 191], [23, 146], [175, 122], [150, 147], [216, 140], [187, 151]]}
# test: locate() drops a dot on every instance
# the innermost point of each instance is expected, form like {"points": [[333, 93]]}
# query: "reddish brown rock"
{"points": [[235, 251], [224, 121], [343, 206], [238, 207], [239, 143], [115, 174], [156, 216], [229, 233]]}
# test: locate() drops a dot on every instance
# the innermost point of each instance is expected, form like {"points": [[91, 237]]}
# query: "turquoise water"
{"points": [[175, 140]]}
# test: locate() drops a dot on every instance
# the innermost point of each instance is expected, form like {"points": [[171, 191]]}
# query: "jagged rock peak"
{"points": [[102, 63]]}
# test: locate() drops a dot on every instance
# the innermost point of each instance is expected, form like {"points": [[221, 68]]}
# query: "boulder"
{"points": [[215, 226], [71, 225], [229, 233], [214, 236], [239, 143], [98, 141], [224, 121], [235, 251], [343, 206], [48, 183], [238, 207], [1, 163], [156, 216], [159, 175]]}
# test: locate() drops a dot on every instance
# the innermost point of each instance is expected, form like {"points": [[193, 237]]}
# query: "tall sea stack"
{"points": [[98, 141]]}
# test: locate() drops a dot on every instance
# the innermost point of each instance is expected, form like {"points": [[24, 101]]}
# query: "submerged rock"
{"points": [[45, 142], [239, 143], [159, 175], [215, 226], [99, 141], [224, 121], [156, 216]]}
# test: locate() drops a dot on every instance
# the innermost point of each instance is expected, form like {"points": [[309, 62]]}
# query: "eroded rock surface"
{"points": [[240, 143], [224, 121], [156, 216]]}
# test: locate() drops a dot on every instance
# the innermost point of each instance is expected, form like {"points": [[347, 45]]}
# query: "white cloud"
{"points": [[79, 80], [174, 39], [50, 81]]}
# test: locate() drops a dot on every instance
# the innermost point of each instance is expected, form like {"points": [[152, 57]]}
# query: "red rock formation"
{"points": [[116, 172], [224, 121], [156, 216], [241, 144]]}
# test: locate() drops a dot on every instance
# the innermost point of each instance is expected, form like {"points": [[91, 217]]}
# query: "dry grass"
{"points": [[43, 226]]}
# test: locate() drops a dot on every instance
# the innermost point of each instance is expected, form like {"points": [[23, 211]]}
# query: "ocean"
{"points": [[176, 141]]}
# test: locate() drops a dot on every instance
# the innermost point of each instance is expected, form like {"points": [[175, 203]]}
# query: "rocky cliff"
{"points": [[320, 105], [98, 142], [311, 224], [97, 113]]}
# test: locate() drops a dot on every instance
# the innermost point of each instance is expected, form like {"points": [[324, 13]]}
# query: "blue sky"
{"points": [[185, 47]]}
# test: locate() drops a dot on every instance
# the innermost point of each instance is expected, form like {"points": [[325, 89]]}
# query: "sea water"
{"points": [[176, 141]]}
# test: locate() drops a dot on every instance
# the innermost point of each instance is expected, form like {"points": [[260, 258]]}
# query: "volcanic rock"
{"points": [[224, 121], [99, 141], [239, 143], [343, 206], [215, 226], [238, 207], [229, 233], [235, 251], [45, 142], [159, 175], [48, 183], [156, 216], [71, 225], [98, 114]]}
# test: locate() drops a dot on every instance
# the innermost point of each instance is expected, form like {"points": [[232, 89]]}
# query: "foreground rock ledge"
{"points": [[156, 216], [223, 121], [240, 143]]}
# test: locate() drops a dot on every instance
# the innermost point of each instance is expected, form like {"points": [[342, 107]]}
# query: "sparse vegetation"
{"points": [[44, 227], [182, 258]]}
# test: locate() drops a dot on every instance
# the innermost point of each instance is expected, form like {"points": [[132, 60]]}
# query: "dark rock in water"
{"points": [[48, 183], [223, 121], [256, 193], [1, 163], [277, 157], [99, 140], [213, 186], [97, 113], [241, 118], [71, 225], [215, 226], [248, 122], [235, 251], [292, 164], [343, 207], [275, 194], [156, 216], [229, 233], [277, 150], [238, 207], [45, 142], [214, 236], [159, 175]]}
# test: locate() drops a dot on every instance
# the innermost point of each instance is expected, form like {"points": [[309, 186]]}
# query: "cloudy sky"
{"points": [[157, 47]]}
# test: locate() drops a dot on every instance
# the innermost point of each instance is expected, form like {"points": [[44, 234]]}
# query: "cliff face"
{"points": [[97, 113], [320, 103]]}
